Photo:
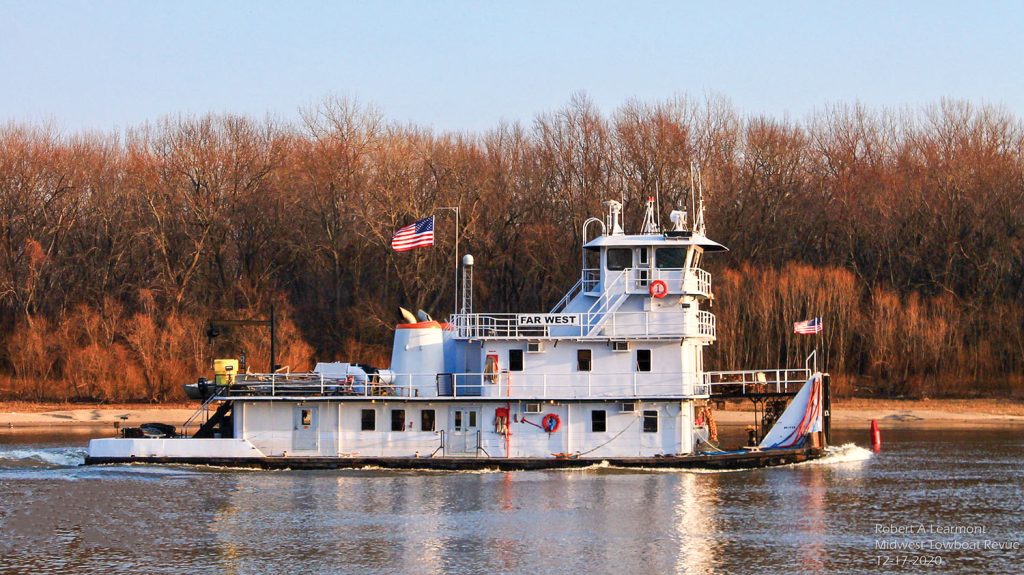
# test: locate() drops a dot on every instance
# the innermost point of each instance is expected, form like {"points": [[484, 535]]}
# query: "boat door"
{"points": [[464, 431], [305, 428], [642, 263], [660, 430]]}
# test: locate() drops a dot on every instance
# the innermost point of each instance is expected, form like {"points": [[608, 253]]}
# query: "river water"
{"points": [[944, 499]]}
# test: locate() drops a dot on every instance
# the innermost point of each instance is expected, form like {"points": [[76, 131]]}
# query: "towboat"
{"points": [[614, 372]]}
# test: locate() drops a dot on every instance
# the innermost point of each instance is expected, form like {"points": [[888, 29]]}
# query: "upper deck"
{"points": [[614, 302], [645, 286]]}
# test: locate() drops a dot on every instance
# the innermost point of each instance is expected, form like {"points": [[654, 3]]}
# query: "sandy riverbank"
{"points": [[846, 414], [896, 414], [39, 416]]}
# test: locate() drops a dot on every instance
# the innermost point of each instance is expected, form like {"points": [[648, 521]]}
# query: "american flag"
{"points": [[808, 327], [417, 235]]}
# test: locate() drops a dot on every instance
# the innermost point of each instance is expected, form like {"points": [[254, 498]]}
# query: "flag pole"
{"points": [[821, 340], [456, 289]]}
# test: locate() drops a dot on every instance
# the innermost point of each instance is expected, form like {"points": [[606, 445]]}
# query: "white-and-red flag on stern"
{"points": [[808, 327], [416, 235]]}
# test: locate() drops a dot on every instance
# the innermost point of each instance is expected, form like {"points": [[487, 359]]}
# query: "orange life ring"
{"points": [[551, 422], [658, 289]]}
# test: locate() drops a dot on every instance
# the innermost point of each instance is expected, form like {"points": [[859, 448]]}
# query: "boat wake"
{"points": [[846, 453], [47, 457]]}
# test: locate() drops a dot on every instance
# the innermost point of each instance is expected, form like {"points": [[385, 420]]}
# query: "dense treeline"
{"points": [[903, 230]]}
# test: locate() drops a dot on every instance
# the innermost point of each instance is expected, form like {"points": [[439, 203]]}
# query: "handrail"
{"points": [[647, 324], [578, 286], [504, 384], [204, 408], [678, 280], [603, 315], [603, 302], [779, 380]]}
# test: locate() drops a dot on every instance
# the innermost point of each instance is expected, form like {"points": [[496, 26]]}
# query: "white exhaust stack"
{"points": [[418, 355]]}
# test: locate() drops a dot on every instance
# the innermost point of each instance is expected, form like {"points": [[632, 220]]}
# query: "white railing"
{"points": [[637, 280], [750, 381], [503, 384], [640, 324], [609, 300], [569, 295], [706, 325], [678, 281]]}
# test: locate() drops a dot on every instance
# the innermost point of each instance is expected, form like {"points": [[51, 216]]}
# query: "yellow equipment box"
{"points": [[224, 371]]}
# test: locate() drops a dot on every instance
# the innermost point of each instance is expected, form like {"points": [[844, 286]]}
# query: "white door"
{"points": [[659, 430], [305, 428], [642, 264], [464, 431]]}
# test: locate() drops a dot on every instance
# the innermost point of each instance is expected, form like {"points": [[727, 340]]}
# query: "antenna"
{"points": [[467, 284], [698, 217], [693, 189], [657, 203], [614, 211], [650, 220]]}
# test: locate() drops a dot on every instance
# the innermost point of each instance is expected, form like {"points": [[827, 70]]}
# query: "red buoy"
{"points": [[876, 436]]}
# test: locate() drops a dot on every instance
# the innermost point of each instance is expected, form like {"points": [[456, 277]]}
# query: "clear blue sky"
{"points": [[467, 65]]}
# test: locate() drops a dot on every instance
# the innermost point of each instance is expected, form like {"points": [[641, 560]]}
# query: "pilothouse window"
{"points": [[670, 258], [619, 259]]}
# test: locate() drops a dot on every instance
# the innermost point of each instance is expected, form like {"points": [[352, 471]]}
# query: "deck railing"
{"points": [[503, 384], [695, 282], [755, 381], [678, 281], [640, 324]]}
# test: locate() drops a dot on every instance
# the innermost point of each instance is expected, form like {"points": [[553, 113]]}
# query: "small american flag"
{"points": [[808, 327], [417, 235]]}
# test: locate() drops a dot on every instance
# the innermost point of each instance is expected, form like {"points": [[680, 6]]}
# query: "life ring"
{"points": [[551, 422], [658, 289]]}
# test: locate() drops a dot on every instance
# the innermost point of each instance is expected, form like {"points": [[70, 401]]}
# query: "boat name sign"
{"points": [[545, 319]]}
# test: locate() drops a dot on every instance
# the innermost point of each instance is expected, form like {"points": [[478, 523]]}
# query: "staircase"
{"points": [[611, 299], [220, 422]]}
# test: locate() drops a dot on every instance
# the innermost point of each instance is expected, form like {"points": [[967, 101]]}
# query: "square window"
{"points": [[650, 421], [397, 420], [598, 421], [619, 259], [515, 360], [369, 420], [643, 360], [583, 360], [533, 408], [670, 258], [427, 420]]}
